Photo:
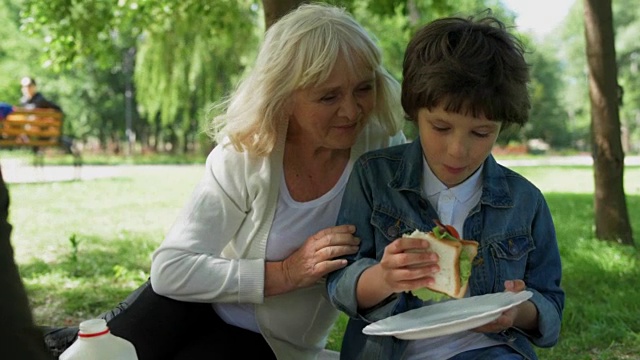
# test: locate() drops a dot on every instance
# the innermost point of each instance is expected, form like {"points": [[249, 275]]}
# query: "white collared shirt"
{"points": [[452, 204]]}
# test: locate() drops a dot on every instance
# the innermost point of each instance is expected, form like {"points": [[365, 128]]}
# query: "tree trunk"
{"points": [[275, 9], [610, 207]]}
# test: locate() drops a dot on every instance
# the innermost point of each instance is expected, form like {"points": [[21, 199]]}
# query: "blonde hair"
{"points": [[300, 51]]}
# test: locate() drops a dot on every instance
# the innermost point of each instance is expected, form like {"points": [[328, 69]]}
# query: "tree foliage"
{"points": [[191, 58], [548, 119], [161, 62], [15, 47], [174, 57], [187, 53]]}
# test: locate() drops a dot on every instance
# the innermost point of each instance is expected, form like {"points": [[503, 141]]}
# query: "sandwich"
{"points": [[455, 257]]}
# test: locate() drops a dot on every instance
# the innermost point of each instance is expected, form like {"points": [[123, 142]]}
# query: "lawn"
{"points": [[83, 246]]}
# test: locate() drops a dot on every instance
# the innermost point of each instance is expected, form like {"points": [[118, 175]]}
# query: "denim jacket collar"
{"points": [[409, 172], [495, 191]]}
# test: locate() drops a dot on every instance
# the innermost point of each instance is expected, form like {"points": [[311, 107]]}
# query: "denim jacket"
{"points": [[512, 224]]}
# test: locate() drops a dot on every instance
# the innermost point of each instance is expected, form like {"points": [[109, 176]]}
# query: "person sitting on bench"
{"points": [[32, 98]]}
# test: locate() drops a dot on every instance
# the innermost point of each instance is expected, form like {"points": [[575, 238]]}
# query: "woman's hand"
{"points": [[313, 260], [523, 316], [406, 264]]}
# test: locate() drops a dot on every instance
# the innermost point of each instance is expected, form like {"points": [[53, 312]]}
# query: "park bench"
{"points": [[37, 129]]}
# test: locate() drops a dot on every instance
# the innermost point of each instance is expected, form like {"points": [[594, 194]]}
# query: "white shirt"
{"points": [[294, 222], [453, 206]]}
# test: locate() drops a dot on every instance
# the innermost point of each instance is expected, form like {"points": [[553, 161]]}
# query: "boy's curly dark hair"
{"points": [[471, 66]]}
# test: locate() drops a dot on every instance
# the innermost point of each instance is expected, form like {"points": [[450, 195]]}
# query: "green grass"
{"points": [[601, 318], [83, 246], [116, 224]]}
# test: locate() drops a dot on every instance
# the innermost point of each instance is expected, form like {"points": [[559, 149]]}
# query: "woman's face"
{"points": [[332, 114], [455, 145]]}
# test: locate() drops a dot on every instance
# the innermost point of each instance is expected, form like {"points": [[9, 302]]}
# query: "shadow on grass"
{"points": [[97, 256], [85, 283], [601, 309]]}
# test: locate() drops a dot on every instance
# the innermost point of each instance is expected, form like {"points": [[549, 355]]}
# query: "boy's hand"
{"points": [[408, 264], [523, 315]]}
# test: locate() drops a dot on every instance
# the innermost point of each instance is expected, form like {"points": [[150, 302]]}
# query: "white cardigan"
{"points": [[215, 250]]}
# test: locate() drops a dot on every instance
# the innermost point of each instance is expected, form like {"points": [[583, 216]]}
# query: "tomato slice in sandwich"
{"points": [[451, 230], [448, 228]]}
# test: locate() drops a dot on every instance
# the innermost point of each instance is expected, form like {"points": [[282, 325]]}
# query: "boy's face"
{"points": [[455, 145]]}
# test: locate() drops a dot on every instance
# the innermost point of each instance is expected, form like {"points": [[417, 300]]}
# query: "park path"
{"points": [[16, 171], [21, 171]]}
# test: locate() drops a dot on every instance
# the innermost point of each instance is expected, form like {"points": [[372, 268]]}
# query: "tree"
{"points": [[611, 216], [275, 9]]}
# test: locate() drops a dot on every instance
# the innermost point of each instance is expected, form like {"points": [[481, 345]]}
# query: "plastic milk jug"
{"points": [[96, 342]]}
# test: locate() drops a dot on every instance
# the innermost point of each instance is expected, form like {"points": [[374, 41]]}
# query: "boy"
{"points": [[465, 80]]}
